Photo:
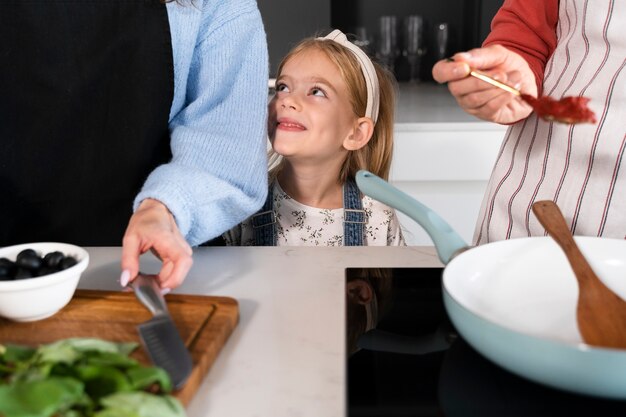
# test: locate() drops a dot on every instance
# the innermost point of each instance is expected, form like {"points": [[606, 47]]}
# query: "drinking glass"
{"points": [[414, 44], [361, 39], [442, 39], [387, 43]]}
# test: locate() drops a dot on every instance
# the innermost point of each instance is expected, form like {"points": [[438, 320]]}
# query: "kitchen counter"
{"points": [[287, 355]]}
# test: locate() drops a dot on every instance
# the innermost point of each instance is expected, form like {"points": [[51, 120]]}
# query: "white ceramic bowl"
{"points": [[40, 297]]}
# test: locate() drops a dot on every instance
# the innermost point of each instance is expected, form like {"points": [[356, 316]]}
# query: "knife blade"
{"points": [[159, 335]]}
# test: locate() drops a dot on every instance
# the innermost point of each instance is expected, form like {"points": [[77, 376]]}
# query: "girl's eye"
{"points": [[316, 91], [282, 87]]}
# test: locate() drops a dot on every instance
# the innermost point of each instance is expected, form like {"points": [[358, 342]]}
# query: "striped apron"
{"points": [[578, 166]]}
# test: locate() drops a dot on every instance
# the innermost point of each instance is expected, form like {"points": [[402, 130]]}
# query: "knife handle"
{"points": [[148, 292]]}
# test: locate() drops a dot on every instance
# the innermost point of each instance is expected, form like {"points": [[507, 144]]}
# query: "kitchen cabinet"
{"points": [[289, 21]]}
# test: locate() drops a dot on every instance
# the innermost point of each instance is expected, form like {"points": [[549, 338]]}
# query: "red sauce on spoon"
{"points": [[570, 110]]}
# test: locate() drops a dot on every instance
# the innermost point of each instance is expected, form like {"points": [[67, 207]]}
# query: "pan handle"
{"points": [[447, 242]]}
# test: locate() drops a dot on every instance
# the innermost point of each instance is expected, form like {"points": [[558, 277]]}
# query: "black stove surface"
{"points": [[413, 362]]}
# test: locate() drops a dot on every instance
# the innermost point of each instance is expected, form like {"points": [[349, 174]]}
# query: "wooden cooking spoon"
{"points": [[601, 314], [569, 110]]}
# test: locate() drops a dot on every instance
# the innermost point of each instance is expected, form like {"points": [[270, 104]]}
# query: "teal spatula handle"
{"points": [[447, 242]]}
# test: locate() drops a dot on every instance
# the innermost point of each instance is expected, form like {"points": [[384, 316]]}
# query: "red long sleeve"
{"points": [[528, 27]]}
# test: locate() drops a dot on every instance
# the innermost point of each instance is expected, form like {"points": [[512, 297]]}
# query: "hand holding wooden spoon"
{"points": [[468, 73], [569, 109]]}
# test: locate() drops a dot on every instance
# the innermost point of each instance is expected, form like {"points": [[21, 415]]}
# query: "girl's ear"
{"points": [[361, 134]]}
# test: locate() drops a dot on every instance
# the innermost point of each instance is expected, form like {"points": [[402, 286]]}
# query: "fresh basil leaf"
{"points": [[39, 398], [15, 353], [99, 345], [143, 377], [116, 359], [81, 377], [101, 381], [58, 352], [27, 371], [116, 412], [141, 403], [70, 350], [71, 413]]}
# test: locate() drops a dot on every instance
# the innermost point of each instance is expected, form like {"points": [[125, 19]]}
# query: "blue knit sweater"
{"points": [[218, 174]]}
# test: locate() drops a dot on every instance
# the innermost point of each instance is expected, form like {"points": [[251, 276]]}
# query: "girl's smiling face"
{"points": [[311, 115]]}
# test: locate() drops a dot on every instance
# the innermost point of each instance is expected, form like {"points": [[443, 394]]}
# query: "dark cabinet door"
{"points": [[488, 9], [288, 21]]}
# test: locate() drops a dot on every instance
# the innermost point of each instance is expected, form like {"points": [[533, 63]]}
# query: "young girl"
{"points": [[331, 116]]}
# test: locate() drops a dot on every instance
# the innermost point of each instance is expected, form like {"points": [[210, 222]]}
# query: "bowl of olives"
{"points": [[38, 279]]}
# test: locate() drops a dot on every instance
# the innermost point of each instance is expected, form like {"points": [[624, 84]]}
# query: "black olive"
{"points": [[53, 259], [6, 261], [7, 269], [45, 270], [23, 273], [29, 260], [26, 253], [68, 262], [29, 264]]}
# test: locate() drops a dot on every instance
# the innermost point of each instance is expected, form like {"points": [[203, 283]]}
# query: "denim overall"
{"points": [[264, 222]]}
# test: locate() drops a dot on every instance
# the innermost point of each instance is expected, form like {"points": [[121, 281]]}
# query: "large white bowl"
{"points": [[40, 297]]}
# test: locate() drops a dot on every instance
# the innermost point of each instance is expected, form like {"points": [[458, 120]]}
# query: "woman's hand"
{"points": [[152, 227], [481, 99]]}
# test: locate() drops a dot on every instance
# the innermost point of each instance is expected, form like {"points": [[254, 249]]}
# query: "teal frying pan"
{"points": [[514, 301]]}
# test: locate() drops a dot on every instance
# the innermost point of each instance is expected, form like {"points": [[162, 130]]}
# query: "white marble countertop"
{"points": [[286, 358]]}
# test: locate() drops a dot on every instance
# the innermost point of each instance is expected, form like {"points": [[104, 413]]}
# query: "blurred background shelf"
{"points": [[288, 21]]}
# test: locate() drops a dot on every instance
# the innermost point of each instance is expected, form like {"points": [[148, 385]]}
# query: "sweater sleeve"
{"points": [[527, 27], [218, 173]]}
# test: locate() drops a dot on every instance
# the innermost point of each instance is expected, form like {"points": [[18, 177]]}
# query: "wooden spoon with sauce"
{"points": [[601, 314], [570, 110]]}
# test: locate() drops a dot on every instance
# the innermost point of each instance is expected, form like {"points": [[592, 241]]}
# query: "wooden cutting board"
{"points": [[204, 323]]}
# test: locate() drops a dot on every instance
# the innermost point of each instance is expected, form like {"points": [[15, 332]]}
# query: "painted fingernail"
{"points": [[165, 291], [124, 278]]}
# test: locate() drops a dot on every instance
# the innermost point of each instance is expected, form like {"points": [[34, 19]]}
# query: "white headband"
{"points": [[367, 67]]}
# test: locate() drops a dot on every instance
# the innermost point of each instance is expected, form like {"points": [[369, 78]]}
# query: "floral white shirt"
{"points": [[301, 225]]}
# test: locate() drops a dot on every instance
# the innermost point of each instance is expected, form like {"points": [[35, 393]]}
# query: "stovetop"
{"points": [[408, 360]]}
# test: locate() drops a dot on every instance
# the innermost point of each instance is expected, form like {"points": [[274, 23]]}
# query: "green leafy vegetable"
{"points": [[39, 398], [82, 378], [141, 404]]}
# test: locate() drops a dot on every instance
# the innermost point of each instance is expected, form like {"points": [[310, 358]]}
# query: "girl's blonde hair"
{"points": [[376, 155]]}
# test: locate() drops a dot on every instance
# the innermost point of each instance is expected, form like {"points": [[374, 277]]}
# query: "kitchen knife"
{"points": [[159, 335]]}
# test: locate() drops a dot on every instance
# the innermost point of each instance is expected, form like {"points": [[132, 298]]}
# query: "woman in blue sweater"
{"points": [[115, 107]]}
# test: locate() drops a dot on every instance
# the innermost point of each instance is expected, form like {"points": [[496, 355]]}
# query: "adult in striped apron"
{"points": [[577, 166]]}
